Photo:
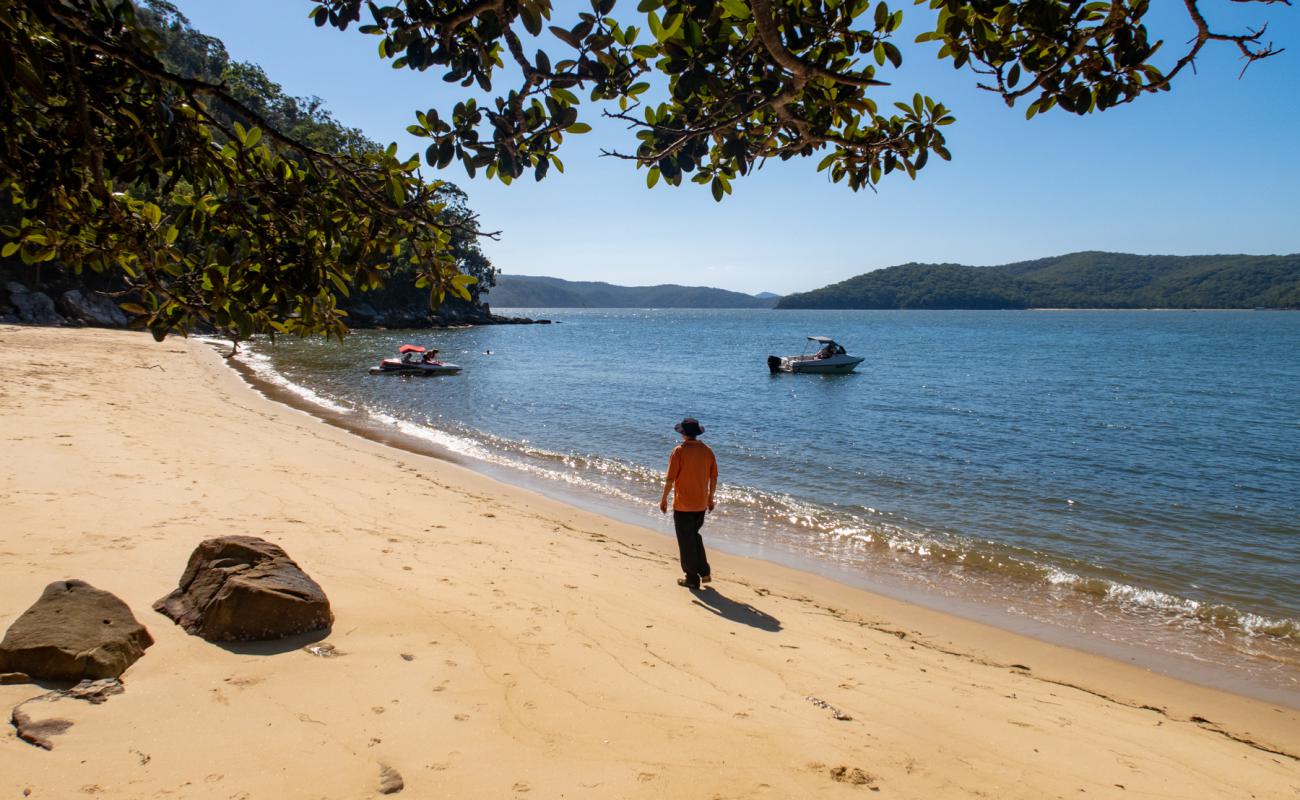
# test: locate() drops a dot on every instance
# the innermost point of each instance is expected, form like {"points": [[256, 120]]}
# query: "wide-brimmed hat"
{"points": [[689, 426]]}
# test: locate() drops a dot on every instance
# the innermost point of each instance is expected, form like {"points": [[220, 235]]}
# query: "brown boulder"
{"points": [[74, 632], [242, 588]]}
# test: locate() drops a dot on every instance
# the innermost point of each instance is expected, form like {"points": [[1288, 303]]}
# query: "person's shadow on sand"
{"points": [[734, 610]]}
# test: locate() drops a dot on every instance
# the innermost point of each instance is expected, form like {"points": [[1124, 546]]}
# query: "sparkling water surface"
{"points": [[1132, 477]]}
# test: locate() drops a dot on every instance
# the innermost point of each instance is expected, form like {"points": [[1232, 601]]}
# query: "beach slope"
{"points": [[493, 643]]}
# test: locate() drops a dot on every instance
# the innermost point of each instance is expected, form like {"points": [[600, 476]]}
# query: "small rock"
{"points": [[390, 780], [835, 712], [407, 657], [36, 732], [323, 650], [74, 632], [94, 692], [242, 588], [11, 678]]}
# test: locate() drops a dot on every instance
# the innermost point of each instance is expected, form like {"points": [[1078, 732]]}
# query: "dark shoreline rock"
{"points": [[82, 305], [32, 308], [242, 588], [74, 632], [92, 308]]}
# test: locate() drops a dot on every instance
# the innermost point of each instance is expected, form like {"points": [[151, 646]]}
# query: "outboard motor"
{"points": [[774, 364]]}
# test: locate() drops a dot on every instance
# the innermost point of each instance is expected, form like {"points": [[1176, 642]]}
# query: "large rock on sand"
{"points": [[242, 588], [72, 633]]}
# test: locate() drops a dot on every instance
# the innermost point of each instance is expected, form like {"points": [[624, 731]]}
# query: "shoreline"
{"points": [[1195, 660], [555, 633]]}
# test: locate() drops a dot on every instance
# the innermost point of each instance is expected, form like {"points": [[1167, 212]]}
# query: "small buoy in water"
{"points": [[487, 352]]}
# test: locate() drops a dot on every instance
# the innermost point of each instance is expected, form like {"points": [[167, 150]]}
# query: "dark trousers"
{"points": [[690, 545]]}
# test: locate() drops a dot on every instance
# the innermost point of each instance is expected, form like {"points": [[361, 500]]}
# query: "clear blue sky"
{"points": [[1212, 167]]}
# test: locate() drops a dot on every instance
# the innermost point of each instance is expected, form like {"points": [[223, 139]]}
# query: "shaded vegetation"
{"points": [[1077, 280], [134, 148]]}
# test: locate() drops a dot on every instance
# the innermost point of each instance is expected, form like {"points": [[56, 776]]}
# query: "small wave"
{"points": [[265, 371], [480, 447], [1178, 610]]}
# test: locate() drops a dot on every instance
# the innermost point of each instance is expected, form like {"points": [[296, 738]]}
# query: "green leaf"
{"points": [[652, 177], [671, 28], [566, 36], [564, 95], [9, 249], [736, 8], [656, 26], [578, 127]]}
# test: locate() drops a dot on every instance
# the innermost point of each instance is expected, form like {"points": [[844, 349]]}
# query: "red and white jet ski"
{"points": [[414, 360]]}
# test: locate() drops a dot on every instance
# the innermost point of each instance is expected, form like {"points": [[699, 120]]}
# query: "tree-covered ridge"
{"points": [[527, 291], [1078, 280]]}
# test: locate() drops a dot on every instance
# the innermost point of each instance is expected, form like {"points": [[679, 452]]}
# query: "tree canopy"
{"points": [[125, 152]]}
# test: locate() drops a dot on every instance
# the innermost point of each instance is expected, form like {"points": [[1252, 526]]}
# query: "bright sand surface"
{"points": [[498, 644]]}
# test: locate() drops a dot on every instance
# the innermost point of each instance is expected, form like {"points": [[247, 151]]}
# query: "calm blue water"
{"points": [[1132, 474]]}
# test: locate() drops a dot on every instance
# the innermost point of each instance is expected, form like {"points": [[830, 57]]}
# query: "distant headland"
{"points": [[529, 291], [1077, 280]]}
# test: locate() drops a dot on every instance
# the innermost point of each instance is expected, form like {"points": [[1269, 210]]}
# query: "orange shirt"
{"points": [[690, 468]]}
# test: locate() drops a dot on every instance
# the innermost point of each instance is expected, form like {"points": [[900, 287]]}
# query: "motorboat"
{"points": [[414, 360], [828, 358]]}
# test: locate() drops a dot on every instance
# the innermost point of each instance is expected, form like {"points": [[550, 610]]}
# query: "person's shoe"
{"points": [[687, 584], [706, 579]]}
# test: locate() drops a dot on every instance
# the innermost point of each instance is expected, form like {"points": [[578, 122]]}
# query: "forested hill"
{"points": [[1077, 280], [527, 291]]}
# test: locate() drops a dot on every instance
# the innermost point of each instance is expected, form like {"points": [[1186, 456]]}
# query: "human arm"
{"points": [[674, 467], [713, 482]]}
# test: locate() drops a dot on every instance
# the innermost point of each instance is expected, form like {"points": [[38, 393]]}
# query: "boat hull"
{"points": [[817, 368], [416, 369], [835, 365]]}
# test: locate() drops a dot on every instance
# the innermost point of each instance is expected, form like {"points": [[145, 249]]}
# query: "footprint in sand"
{"points": [[521, 786]]}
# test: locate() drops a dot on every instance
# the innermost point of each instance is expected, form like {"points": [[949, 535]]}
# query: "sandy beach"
{"points": [[495, 643]]}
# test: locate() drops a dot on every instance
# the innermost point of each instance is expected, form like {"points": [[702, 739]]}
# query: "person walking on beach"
{"points": [[692, 478]]}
